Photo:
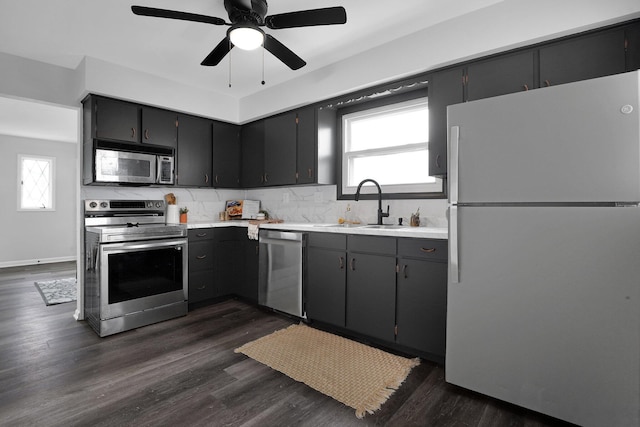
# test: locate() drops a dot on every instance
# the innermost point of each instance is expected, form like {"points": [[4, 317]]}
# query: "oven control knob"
{"points": [[158, 205], [93, 205], [104, 205]]}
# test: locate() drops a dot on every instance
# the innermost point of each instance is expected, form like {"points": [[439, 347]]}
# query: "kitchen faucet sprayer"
{"points": [[380, 213]]}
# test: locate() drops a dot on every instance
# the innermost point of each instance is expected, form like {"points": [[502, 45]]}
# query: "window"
{"points": [[35, 182], [390, 144]]}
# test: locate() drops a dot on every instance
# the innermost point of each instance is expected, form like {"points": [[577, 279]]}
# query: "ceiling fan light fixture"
{"points": [[246, 38]]}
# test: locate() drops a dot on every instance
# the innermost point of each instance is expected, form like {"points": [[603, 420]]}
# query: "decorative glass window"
{"points": [[389, 144], [35, 182]]}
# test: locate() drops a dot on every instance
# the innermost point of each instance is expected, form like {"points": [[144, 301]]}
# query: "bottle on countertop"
{"points": [[348, 216]]}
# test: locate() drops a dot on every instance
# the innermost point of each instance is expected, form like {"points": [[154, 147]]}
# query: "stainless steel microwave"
{"points": [[127, 167]]}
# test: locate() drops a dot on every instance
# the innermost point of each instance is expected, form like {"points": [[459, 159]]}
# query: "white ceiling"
{"points": [[63, 32]]}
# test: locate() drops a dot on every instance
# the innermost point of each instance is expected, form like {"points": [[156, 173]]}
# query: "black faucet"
{"points": [[380, 213]]}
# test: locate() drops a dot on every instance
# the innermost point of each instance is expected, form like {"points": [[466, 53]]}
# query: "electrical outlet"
{"points": [[285, 198], [317, 196]]}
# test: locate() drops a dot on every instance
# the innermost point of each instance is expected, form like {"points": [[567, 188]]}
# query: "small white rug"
{"points": [[57, 291]]}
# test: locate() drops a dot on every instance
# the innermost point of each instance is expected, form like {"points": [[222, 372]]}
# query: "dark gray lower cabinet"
{"points": [[222, 262], [201, 265], [422, 305], [248, 288], [229, 260], [326, 278], [392, 290], [371, 286], [371, 294]]}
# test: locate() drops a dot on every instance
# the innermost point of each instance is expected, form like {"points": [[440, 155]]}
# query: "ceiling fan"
{"points": [[247, 16]]}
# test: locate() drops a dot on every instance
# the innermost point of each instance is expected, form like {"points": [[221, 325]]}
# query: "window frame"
{"points": [[52, 178], [406, 191]]}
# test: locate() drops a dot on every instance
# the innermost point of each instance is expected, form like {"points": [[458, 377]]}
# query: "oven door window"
{"points": [[143, 273]]}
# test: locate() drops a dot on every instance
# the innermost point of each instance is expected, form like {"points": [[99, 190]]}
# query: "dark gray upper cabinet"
{"points": [[226, 155], [581, 58], [252, 137], [500, 75], [115, 119], [194, 152], [445, 88], [632, 45], [159, 127], [307, 146], [280, 149]]}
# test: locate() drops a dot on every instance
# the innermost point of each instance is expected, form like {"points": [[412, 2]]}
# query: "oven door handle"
{"points": [[179, 244]]}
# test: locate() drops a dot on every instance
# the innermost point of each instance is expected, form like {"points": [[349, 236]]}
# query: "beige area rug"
{"points": [[355, 374]]}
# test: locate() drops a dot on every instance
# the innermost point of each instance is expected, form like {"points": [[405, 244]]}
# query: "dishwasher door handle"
{"points": [[280, 242]]}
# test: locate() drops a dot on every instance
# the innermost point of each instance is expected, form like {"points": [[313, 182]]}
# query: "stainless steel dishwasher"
{"points": [[282, 255]]}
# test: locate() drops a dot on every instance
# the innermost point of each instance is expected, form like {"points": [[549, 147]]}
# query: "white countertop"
{"points": [[415, 232]]}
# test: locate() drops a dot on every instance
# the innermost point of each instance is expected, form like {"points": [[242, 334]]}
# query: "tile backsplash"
{"points": [[317, 204]]}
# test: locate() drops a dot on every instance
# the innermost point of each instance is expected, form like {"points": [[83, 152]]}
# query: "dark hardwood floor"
{"points": [[55, 371]]}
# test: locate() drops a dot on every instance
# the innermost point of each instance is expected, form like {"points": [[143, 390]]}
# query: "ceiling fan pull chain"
{"points": [[229, 63], [263, 65]]}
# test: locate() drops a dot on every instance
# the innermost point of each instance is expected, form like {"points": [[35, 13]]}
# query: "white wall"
{"points": [[104, 78], [34, 237], [28, 79]]}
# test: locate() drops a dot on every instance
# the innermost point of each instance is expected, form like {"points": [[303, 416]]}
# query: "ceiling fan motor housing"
{"points": [[239, 13]]}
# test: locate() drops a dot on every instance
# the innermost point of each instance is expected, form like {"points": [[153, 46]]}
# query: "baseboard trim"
{"points": [[22, 263]]}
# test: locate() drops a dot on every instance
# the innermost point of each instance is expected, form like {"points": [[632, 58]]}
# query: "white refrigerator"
{"points": [[543, 305]]}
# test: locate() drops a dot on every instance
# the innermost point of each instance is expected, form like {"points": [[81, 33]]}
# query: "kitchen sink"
{"points": [[385, 226], [340, 225]]}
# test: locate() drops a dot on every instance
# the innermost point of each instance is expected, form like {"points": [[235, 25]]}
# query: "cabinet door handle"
{"points": [[201, 234], [266, 177], [526, 87], [341, 260], [428, 250], [206, 178], [404, 271], [217, 179], [352, 264], [202, 287], [133, 132], [547, 83], [438, 161], [310, 171], [201, 256], [146, 134]]}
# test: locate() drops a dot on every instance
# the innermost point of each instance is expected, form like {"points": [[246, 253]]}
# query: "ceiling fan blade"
{"points": [[283, 53], [307, 18], [218, 53], [173, 14]]}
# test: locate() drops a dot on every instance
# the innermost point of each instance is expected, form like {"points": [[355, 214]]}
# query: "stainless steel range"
{"points": [[135, 265]]}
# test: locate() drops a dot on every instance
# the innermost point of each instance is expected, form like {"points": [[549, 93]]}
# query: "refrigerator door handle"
{"points": [[454, 271], [454, 138]]}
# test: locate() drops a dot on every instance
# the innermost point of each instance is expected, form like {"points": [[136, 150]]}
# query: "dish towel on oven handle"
{"points": [[253, 230]]}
